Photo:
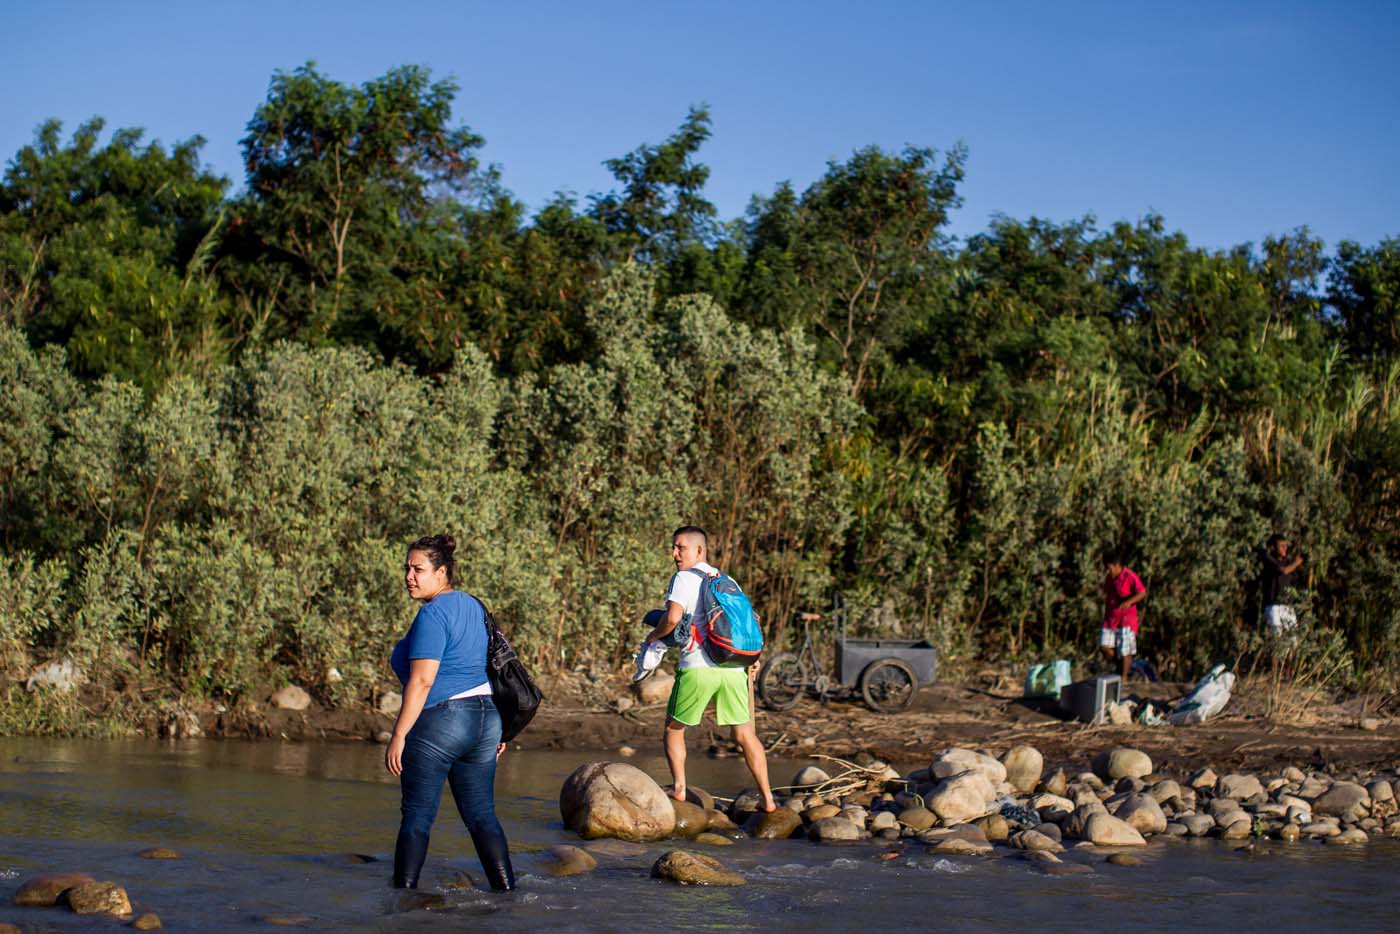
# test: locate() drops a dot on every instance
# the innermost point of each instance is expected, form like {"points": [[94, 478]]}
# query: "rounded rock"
{"points": [[963, 796], [43, 891], [1124, 859], [158, 852], [775, 825], [1024, 765], [1103, 829], [98, 898], [714, 839], [834, 830], [809, 777], [1122, 762], [1143, 814], [688, 868], [568, 861], [614, 799], [150, 921], [953, 761], [655, 689], [691, 819], [918, 818], [291, 697]]}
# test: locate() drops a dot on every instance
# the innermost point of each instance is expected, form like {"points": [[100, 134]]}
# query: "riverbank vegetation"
{"points": [[224, 410]]}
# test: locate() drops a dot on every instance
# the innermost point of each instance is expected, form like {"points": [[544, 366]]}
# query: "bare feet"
{"points": [[770, 806], [676, 793]]}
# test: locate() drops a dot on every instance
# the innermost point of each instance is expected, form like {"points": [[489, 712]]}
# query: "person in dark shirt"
{"points": [[1278, 570]]}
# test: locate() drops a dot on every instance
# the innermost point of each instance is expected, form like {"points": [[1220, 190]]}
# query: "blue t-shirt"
{"points": [[451, 628]]}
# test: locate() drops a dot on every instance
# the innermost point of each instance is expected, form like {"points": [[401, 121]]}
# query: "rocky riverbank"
{"points": [[972, 803]]}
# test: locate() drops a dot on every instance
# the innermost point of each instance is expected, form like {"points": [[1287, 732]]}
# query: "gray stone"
{"points": [[1347, 837], [390, 703], [963, 796], [809, 777], [291, 697], [1240, 829], [61, 677], [1104, 829], [568, 861], [714, 839], [1034, 840], [834, 830], [1197, 825], [1122, 761], [1077, 823], [776, 825], [1164, 791], [1343, 799], [42, 891], [614, 799], [1056, 784], [98, 898], [953, 761], [1024, 765], [994, 827], [691, 819], [882, 820], [1238, 786], [1143, 814], [1203, 778], [655, 689], [150, 921], [960, 846], [689, 868], [1320, 829], [821, 812], [918, 818]]}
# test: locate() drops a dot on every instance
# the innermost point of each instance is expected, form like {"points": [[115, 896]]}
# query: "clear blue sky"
{"points": [[1232, 120]]}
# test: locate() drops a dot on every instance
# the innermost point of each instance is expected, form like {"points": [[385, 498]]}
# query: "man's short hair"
{"points": [[692, 530], [1276, 538], [1111, 557]]}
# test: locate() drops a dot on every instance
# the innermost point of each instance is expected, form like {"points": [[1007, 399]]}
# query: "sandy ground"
{"points": [[581, 713]]}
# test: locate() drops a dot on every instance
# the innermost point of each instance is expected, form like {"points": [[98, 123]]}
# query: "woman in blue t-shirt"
{"points": [[448, 728]]}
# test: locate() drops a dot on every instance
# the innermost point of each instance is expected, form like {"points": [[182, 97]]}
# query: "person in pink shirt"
{"points": [[1122, 592]]}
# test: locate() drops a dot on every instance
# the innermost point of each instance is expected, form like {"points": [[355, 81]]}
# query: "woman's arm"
{"points": [[422, 672]]}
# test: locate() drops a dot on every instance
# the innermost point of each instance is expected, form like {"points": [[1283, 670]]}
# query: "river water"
{"points": [[267, 830]]}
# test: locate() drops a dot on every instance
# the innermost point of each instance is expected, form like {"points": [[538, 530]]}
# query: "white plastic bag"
{"points": [[1207, 698]]}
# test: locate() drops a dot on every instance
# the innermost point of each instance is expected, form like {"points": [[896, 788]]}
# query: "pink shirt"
{"points": [[1114, 593]]}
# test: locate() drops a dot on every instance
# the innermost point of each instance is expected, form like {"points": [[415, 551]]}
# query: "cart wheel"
{"points": [[888, 685], [780, 681]]}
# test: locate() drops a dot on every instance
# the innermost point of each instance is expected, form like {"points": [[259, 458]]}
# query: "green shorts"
{"points": [[696, 687]]}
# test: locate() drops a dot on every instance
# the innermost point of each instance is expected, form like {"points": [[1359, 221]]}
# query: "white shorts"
{"points": [[1123, 639], [1280, 619]]}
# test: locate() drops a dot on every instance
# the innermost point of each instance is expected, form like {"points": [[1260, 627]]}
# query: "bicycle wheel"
{"points": [[780, 681], [888, 685]]}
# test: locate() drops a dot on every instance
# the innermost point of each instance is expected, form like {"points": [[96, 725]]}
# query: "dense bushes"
{"points": [[221, 418]]}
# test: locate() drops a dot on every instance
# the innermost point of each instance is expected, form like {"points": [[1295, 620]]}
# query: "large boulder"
{"points": [[1143, 814], [964, 796], [43, 891], [1024, 765], [1104, 829], [1343, 799], [614, 799], [950, 762], [1122, 762], [690, 868], [61, 677]]}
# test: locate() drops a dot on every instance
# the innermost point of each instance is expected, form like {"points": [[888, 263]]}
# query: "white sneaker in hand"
{"points": [[648, 659]]}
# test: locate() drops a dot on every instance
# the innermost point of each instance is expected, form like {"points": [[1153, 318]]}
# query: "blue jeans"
{"points": [[454, 741]]}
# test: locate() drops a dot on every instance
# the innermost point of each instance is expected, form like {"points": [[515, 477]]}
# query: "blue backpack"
{"points": [[729, 632]]}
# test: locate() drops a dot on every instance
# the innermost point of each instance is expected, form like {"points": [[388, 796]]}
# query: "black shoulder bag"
{"points": [[514, 692]]}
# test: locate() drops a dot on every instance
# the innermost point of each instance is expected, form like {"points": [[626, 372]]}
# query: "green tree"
{"points": [[105, 250], [344, 225]]}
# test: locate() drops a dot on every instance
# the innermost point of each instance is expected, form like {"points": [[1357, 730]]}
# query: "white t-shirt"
{"points": [[685, 590]]}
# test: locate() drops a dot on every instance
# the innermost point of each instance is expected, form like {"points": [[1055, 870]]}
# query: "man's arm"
{"points": [[1293, 565], [674, 614], [1134, 599]]}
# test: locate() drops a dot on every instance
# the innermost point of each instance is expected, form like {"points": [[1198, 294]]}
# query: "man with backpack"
{"points": [[699, 679]]}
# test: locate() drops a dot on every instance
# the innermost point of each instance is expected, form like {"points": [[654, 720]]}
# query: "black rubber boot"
{"points": [[495, 861], [409, 853]]}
